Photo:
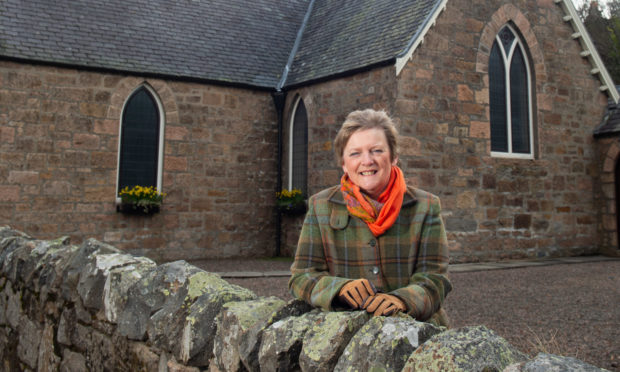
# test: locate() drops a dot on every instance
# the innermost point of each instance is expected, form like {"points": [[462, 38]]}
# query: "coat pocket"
{"points": [[339, 218]]}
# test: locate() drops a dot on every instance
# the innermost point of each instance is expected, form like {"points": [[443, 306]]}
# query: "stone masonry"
{"points": [[93, 307], [493, 207], [59, 153], [59, 130]]}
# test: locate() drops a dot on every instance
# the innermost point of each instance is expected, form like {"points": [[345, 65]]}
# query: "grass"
{"points": [[548, 345]]}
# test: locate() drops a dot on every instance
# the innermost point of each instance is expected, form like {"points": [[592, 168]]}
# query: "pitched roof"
{"points": [[610, 125], [235, 41], [243, 42], [345, 35]]}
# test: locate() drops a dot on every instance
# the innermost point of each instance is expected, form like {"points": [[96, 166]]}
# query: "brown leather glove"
{"points": [[383, 304], [355, 292]]}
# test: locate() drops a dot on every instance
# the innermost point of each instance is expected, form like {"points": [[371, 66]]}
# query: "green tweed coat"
{"points": [[409, 261]]}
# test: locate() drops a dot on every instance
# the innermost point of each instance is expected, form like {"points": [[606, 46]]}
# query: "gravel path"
{"points": [[565, 309]]}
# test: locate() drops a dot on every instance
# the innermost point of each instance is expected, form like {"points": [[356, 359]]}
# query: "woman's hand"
{"points": [[383, 304], [356, 292]]}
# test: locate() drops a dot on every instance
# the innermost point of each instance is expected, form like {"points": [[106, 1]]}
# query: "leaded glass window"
{"points": [[299, 149], [510, 97], [139, 147]]}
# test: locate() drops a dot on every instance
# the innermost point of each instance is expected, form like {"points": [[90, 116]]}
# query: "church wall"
{"points": [[59, 133]]}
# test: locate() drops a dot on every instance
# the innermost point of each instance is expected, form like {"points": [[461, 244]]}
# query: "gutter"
{"points": [[279, 99]]}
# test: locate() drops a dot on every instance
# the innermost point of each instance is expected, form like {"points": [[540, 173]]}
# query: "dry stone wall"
{"points": [[92, 307]]}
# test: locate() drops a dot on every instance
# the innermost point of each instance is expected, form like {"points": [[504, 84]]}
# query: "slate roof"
{"points": [[344, 35], [235, 41], [610, 124]]}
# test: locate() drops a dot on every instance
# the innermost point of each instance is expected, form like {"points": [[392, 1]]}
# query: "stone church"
{"points": [[502, 106]]}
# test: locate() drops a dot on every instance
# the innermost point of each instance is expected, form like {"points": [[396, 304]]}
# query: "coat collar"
{"points": [[335, 196]]}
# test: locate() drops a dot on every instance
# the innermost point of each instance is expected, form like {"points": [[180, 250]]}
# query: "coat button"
{"points": [[375, 270], [373, 243]]}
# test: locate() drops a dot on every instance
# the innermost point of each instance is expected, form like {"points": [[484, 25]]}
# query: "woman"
{"points": [[372, 243]]}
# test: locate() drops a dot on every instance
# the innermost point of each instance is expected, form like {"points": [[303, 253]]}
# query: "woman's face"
{"points": [[367, 160]]}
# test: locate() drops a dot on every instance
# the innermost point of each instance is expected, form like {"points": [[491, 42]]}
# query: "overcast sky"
{"points": [[578, 3]]}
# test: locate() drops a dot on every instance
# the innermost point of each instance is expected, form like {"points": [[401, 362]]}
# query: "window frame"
{"points": [[160, 144], [291, 146], [507, 61]]}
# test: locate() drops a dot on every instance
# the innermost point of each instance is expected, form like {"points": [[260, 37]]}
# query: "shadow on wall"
{"points": [[92, 307]]}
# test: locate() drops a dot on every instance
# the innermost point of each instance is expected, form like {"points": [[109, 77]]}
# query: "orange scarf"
{"points": [[388, 206]]}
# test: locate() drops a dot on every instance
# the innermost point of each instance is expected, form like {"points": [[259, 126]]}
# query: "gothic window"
{"points": [[141, 141], [298, 161], [510, 97]]}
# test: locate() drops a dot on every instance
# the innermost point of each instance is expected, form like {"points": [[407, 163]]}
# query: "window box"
{"points": [[291, 202], [133, 208], [140, 200]]}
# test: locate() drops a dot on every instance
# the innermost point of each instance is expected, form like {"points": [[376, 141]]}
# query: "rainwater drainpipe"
{"points": [[279, 98]]}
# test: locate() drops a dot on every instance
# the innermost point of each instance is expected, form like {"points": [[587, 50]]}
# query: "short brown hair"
{"points": [[362, 120]]}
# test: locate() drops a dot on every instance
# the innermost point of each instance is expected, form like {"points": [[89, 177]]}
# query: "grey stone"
{"points": [[4, 300], [81, 313], [47, 360], [464, 349], [50, 270], [326, 339], [29, 340], [104, 353], [148, 295], [15, 257], [238, 321], [9, 240], [282, 342], [81, 337], [20, 257], [8, 349], [42, 251], [66, 325], [384, 344], [82, 257], [95, 275], [7, 231], [72, 361], [250, 343], [13, 306], [117, 285], [210, 293], [143, 358], [544, 362]]}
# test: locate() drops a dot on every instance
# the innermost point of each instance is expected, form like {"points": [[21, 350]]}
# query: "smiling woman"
{"points": [[372, 243], [368, 162]]}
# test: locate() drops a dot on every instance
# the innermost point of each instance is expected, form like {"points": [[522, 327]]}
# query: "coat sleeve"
{"points": [[429, 284], [310, 279]]}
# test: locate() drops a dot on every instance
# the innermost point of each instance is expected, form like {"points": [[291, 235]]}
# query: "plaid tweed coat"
{"points": [[409, 261]]}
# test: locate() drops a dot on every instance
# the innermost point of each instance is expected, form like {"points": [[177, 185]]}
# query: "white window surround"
{"points": [[290, 142], [507, 61], [160, 148]]}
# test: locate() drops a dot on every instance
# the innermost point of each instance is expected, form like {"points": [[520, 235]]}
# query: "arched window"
{"points": [[298, 160], [510, 97], [141, 139]]}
